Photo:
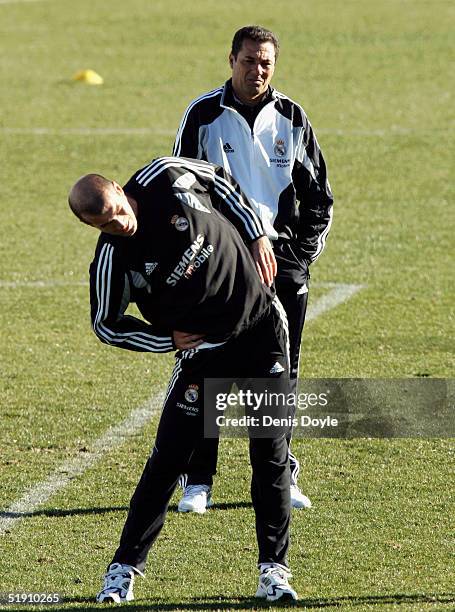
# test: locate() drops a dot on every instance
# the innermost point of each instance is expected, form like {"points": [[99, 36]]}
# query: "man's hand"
{"points": [[186, 340], [262, 252]]}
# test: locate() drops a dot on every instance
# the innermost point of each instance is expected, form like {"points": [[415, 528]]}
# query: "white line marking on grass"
{"points": [[39, 284], [39, 494], [18, 1], [87, 131], [144, 131], [390, 131], [340, 293]]}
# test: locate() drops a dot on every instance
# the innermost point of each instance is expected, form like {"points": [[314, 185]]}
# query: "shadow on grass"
{"points": [[61, 512], [245, 603], [56, 512]]}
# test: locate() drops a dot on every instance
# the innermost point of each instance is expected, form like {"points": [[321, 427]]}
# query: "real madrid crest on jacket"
{"points": [[276, 159], [187, 266]]}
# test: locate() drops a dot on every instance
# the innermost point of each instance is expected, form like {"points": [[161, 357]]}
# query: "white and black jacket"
{"points": [[187, 267], [277, 163]]}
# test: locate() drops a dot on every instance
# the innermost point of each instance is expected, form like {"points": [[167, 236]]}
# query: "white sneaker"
{"points": [[118, 584], [274, 585], [298, 499], [196, 498]]}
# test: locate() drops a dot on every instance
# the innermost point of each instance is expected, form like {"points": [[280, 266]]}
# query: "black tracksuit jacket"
{"points": [[187, 267]]}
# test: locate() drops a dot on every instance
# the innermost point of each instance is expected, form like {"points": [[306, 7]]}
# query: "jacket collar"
{"points": [[227, 97]]}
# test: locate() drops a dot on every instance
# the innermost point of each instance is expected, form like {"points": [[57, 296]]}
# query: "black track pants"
{"points": [[252, 354]]}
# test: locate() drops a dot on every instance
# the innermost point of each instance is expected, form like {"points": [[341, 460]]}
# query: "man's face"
{"points": [[118, 217], [252, 70]]}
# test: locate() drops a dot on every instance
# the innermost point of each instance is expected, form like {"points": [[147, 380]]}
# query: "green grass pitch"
{"points": [[374, 78]]}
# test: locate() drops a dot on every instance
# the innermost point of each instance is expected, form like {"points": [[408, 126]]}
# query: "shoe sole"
{"points": [[183, 509], [298, 506], [111, 600], [261, 594]]}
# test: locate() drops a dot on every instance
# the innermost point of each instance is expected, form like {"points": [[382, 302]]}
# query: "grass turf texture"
{"points": [[373, 79]]}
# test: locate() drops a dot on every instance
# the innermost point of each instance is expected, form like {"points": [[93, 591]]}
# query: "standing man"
{"points": [[169, 243], [265, 141]]}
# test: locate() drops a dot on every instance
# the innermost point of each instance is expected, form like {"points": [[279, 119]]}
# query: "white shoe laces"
{"points": [[119, 578], [277, 572]]}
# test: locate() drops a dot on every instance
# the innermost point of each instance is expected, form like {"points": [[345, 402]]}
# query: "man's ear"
{"points": [[231, 60], [117, 187]]}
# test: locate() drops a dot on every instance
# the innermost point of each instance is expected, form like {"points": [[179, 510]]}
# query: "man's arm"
{"points": [[201, 111], [187, 138], [314, 194], [109, 299]]}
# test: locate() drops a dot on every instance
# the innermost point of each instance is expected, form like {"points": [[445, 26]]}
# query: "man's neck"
{"points": [[250, 102], [132, 203]]}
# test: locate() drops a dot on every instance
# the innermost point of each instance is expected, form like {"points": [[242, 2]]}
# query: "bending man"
{"points": [[173, 241]]}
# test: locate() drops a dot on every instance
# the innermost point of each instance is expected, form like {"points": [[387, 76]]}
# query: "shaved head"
{"points": [[103, 204], [89, 194]]}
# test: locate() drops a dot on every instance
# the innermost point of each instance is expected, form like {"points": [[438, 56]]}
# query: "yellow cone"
{"points": [[88, 76]]}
